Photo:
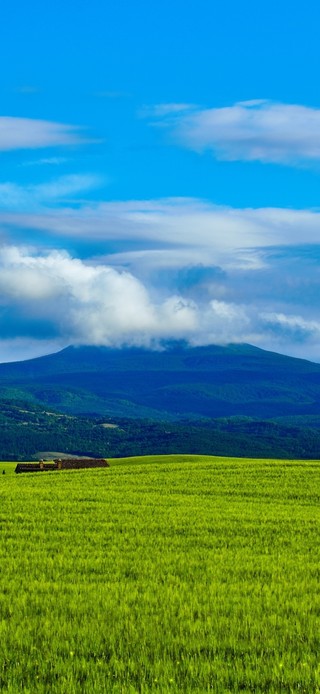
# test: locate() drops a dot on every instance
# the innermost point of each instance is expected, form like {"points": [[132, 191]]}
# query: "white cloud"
{"points": [[50, 300], [176, 231], [228, 311], [27, 133], [188, 269], [101, 305], [256, 130]]}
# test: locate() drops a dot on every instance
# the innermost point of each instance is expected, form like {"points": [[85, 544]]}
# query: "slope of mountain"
{"points": [[175, 383]]}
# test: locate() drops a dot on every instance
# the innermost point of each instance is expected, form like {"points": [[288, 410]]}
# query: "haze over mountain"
{"points": [[177, 382]]}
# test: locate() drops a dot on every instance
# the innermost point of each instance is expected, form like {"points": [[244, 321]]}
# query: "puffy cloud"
{"points": [[87, 304], [54, 299], [160, 269], [57, 296], [256, 130], [229, 312], [27, 133]]}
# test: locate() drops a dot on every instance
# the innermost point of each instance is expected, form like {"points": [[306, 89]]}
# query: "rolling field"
{"points": [[161, 574]]}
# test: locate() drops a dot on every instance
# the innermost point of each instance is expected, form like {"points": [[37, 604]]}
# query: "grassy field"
{"points": [[165, 574]]}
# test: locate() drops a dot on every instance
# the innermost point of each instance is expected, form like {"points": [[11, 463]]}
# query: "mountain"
{"points": [[236, 400], [176, 383]]}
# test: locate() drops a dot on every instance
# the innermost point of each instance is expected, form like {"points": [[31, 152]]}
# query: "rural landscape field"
{"points": [[161, 574], [159, 347]]}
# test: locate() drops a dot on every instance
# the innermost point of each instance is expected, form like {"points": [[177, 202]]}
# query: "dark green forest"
{"points": [[30, 431]]}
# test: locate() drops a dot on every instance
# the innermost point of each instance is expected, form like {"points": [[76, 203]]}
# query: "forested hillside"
{"points": [[29, 431], [175, 383]]}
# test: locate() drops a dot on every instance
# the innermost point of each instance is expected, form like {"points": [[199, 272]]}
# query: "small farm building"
{"points": [[62, 464]]}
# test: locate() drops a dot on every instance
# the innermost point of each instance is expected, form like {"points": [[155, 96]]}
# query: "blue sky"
{"points": [[160, 175]]}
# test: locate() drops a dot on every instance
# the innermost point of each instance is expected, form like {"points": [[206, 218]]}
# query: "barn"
{"points": [[62, 464]]}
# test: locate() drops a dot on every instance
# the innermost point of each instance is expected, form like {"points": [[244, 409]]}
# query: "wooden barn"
{"points": [[62, 464]]}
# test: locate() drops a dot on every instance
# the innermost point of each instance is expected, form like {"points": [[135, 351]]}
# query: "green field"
{"points": [[164, 574]]}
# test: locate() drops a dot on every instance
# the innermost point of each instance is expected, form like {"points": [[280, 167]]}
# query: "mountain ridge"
{"points": [[172, 383]]}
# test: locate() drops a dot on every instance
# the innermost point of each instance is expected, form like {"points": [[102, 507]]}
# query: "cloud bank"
{"points": [[101, 305], [175, 231], [142, 271], [257, 130], [58, 299]]}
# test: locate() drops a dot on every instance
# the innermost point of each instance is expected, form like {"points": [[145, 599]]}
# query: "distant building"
{"points": [[62, 464]]}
